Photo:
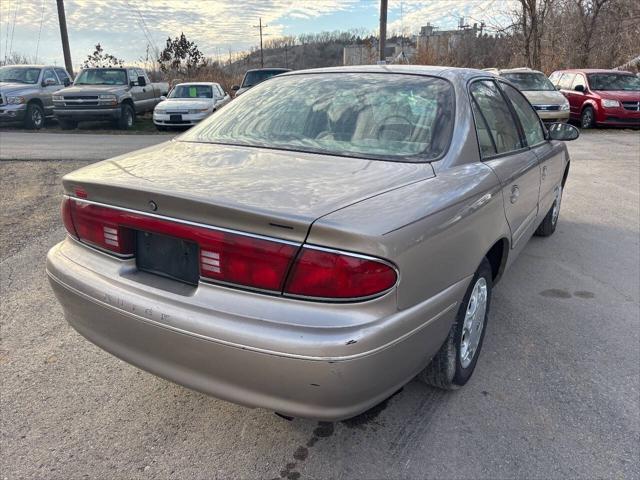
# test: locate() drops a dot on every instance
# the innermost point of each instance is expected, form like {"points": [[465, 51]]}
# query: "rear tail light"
{"points": [[236, 258], [327, 274]]}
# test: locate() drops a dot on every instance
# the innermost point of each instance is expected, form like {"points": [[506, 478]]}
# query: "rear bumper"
{"points": [[87, 114], [302, 359]]}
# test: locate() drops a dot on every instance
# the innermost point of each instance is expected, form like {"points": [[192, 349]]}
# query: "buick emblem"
{"points": [[153, 205]]}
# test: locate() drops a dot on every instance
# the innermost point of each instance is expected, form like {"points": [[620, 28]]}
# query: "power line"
{"points": [[13, 28], [39, 32]]}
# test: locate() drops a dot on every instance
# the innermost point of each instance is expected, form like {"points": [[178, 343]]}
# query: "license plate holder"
{"points": [[167, 256], [175, 118]]}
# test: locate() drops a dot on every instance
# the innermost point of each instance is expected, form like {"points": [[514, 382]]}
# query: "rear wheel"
{"points": [[550, 221], [588, 118], [454, 363], [127, 117], [34, 119]]}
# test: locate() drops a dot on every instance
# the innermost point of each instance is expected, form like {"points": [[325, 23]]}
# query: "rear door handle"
{"points": [[515, 193]]}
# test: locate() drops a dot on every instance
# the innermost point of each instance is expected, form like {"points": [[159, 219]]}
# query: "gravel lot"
{"points": [[555, 394]]}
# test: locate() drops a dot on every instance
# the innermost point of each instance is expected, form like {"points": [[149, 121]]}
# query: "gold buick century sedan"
{"points": [[318, 242]]}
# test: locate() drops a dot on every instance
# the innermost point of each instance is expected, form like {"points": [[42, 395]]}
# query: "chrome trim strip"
{"points": [[247, 347], [186, 222]]}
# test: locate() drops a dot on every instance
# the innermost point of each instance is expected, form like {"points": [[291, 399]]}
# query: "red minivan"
{"points": [[600, 97]]}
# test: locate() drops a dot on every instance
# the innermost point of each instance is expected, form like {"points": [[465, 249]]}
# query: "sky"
{"points": [[124, 28]]}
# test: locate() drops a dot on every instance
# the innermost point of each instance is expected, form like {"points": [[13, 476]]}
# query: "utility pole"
{"points": [[260, 26], [62, 20], [286, 64], [383, 29]]}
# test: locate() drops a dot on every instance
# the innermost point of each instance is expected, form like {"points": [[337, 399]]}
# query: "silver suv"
{"points": [[26, 90]]}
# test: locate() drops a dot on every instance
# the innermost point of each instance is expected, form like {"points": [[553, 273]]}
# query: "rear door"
{"points": [[550, 156], [503, 149]]}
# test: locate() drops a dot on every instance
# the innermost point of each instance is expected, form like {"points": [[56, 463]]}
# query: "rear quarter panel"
{"points": [[435, 231]]}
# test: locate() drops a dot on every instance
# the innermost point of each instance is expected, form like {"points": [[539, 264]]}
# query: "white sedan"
{"points": [[188, 104]]}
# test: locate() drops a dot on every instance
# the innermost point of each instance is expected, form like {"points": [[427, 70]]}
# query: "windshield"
{"points": [[191, 91], [102, 76], [370, 115], [257, 76], [528, 82], [613, 81], [19, 74]]}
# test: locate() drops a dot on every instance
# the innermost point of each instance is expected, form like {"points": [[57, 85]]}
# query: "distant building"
{"points": [[395, 51], [440, 42], [363, 54]]}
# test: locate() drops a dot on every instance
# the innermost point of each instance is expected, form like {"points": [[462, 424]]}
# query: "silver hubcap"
{"points": [[473, 322], [129, 119], [555, 213], [36, 117], [586, 118]]}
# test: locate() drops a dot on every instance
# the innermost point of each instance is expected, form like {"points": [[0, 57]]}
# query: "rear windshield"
{"points": [[373, 115], [102, 76], [257, 76], [528, 82], [613, 81], [191, 91]]}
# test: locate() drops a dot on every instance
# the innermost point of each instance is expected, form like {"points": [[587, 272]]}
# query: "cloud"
{"points": [[124, 27]]}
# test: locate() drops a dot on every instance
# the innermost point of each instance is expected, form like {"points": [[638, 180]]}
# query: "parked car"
{"points": [[188, 104], [317, 243], [113, 94], [26, 90], [256, 76], [600, 97], [550, 104]]}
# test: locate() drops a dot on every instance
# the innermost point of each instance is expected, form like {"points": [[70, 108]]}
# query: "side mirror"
{"points": [[562, 131], [162, 98], [142, 82], [557, 87], [132, 83], [579, 88], [235, 88], [48, 82], [67, 82]]}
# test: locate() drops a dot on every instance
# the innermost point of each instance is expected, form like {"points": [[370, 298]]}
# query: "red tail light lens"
{"points": [[237, 259], [333, 275], [224, 256]]}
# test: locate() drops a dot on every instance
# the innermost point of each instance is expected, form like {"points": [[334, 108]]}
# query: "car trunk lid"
{"points": [[269, 192]]}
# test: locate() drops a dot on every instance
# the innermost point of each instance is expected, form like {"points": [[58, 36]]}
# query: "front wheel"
{"points": [[588, 118], [127, 117], [454, 363], [34, 119]]}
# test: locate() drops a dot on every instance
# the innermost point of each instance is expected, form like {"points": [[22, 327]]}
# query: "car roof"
{"points": [[432, 70], [273, 69], [34, 66], [196, 83], [592, 70]]}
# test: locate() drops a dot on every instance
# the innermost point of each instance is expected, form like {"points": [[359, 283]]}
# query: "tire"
{"points": [[34, 118], [448, 369], [68, 124], [588, 118], [127, 117], [550, 220]]}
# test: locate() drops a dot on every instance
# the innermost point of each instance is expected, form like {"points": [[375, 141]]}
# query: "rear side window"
{"points": [[496, 128], [528, 117]]}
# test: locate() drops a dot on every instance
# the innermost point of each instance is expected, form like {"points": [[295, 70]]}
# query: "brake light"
{"points": [[224, 256], [328, 274], [235, 258]]}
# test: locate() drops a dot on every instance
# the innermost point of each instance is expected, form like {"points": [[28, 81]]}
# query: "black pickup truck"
{"points": [[114, 94]]}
